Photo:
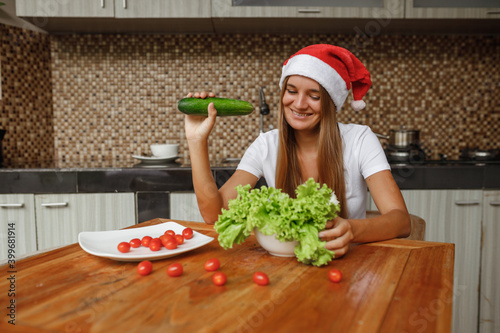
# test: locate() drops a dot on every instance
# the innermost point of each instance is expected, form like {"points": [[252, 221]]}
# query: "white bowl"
{"points": [[164, 150], [275, 246]]}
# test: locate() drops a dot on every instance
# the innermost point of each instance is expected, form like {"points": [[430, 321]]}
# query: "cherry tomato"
{"points": [[212, 264], [155, 244], [334, 275], [170, 232], [135, 243], [171, 245], [144, 267], [219, 279], [179, 239], [187, 233], [124, 247], [166, 238], [260, 278], [174, 270], [145, 241]]}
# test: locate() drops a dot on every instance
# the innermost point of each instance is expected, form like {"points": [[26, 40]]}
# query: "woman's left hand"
{"points": [[338, 236]]}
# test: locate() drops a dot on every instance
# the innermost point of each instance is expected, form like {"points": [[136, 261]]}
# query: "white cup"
{"points": [[164, 150]]}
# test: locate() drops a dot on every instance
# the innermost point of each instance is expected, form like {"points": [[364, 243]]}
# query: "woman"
{"points": [[309, 143]]}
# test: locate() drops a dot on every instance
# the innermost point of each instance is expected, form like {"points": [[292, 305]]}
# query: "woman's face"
{"points": [[301, 103]]}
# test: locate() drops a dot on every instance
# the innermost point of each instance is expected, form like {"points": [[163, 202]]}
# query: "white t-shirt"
{"points": [[363, 157]]}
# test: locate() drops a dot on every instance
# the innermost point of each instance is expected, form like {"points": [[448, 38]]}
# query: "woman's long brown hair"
{"points": [[330, 152]]}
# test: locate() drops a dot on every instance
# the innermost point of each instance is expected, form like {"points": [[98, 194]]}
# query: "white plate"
{"points": [[104, 243], [154, 159]]}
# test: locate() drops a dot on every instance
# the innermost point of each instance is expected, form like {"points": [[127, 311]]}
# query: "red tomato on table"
{"points": [[212, 265], [260, 278], [219, 279], [144, 267], [334, 275], [175, 270]]}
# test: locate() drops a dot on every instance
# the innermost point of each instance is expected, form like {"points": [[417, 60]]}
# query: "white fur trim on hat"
{"points": [[358, 105], [313, 68]]}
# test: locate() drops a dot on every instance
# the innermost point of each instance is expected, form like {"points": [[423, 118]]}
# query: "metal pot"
{"points": [[402, 138], [477, 154]]}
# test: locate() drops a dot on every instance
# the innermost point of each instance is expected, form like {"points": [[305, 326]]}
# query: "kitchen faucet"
{"points": [[264, 108]]}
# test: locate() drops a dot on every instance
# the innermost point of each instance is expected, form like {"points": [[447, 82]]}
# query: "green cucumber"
{"points": [[224, 106]]}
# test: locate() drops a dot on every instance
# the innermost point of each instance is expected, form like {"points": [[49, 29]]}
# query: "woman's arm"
{"points": [[210, 199], [393, 221]]}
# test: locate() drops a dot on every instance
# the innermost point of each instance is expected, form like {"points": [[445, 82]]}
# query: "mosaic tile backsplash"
{"points": [[108, 97], [26, 104]]}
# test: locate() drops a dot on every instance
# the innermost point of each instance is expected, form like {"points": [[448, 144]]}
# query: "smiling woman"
{"points": [[301, 103], [310, 143]]}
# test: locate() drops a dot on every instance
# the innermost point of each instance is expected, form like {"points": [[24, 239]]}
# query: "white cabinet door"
{"points": [[72, 8], [454, 216], [389, 9], [451, 9], [17, 225], [60, 217], [489, 304], [162, 9], [183, 206]]}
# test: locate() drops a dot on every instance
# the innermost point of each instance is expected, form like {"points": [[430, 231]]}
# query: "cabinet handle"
{"points": [[55, 204], [495, 203], [309, 10], [124, 4], [467, 203], [102, 3], [492, 13], [12, 205]]}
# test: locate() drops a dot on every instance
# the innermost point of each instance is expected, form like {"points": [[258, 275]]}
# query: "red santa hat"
{"points": [[334, 68]]}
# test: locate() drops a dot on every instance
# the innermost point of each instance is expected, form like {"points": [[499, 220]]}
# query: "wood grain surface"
{"points": [[390, 286]]}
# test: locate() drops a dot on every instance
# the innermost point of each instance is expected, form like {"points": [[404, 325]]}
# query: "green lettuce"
{"points": [[275, 212]]}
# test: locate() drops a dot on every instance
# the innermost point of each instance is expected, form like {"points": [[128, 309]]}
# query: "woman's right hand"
{"points": [[198, 128]]}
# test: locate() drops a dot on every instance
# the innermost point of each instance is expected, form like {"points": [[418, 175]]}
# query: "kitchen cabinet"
{"points": [[18, 224], [162, 9], [344, 9], [42, 221], [183, 206], [449, 9], [114, 8], [118, 16], [60, 217], [73, 8], [489, 300], [455, 216]]}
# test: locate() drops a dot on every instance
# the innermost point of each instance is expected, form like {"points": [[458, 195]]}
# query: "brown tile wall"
{"points": [[26, 104], [113, 95]]}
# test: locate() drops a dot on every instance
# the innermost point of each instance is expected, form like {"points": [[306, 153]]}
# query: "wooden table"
{"points": [[390, 286]]}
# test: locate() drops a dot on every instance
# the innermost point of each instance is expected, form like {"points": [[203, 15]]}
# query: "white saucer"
{"points": [[155, 160], [104, 243]]}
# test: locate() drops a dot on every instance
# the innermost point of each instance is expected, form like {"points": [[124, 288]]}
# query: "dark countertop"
{"points": [[130, 176]]}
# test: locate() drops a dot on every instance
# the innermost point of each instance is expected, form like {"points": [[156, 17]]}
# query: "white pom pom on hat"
{"points": [[335, 69]]}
